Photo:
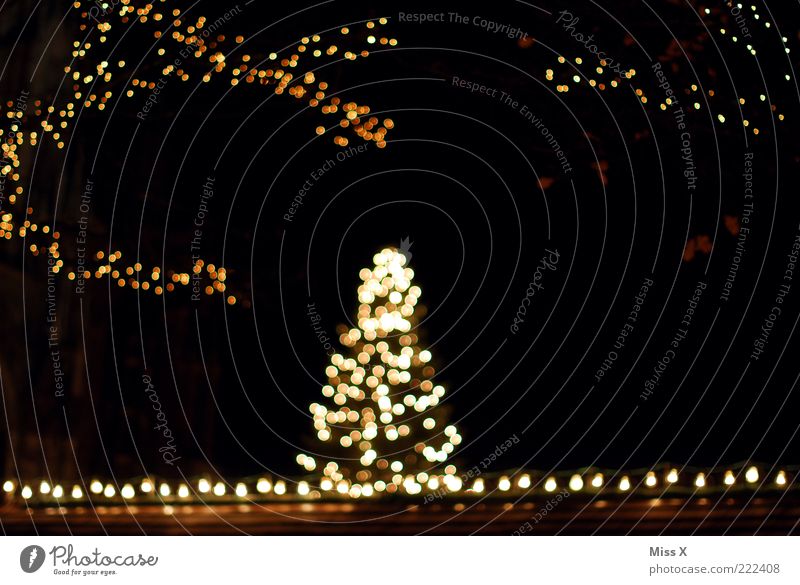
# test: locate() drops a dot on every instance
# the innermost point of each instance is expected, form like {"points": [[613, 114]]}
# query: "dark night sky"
{"points": [[479, 191]]}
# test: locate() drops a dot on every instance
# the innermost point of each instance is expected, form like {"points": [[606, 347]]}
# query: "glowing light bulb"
{"points": [[219, 489], [597, 480], [44, 488], [263, 486], [127, 491], [183, 491], [700, 480], [241, 490], [280, 488], [504, 484], [303, 489], [550, 485], [203, 486], [729, 478], [780, 479], [146, 487], [77, 492], [8, 486], [58, 492], [524, 481], [109, 491], [575, 483], [672, 476], [650, 479], [478, 486], [164, 490], [624, 484], [96, 487], [27, 492], [751, 475]]}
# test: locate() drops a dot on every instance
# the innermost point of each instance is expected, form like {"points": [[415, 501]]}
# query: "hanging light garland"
{"points": [[664, 481]]}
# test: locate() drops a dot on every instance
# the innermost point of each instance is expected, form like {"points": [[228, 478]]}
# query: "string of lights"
{"points": [[662, 481], [191, 49]]}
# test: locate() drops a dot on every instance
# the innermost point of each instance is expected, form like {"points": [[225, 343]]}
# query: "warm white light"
{"points": [[219, 489], [575, 482], [280, 488], [164, 490], [672, 476], [597, 480], [478, 486], [650, 479], [203, 486], [44, 488], [27, 492], [96, 487], [624, 483], [146, 487], [700, 480], [729, 478], [241, 490], [504, 484], [183, 491], [550, 485], [303, 489], [780, 479], [109, 491], [8, 486], [524, 481], [751, 475], [77, 492], [58, 492], [453, 483], [127, 491], [263, 486]]}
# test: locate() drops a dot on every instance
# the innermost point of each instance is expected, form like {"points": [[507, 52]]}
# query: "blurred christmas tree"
{"points": [[384, 423]]}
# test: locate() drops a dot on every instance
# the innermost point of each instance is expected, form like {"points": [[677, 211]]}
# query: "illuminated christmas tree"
{"points": [[383, 421]]}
